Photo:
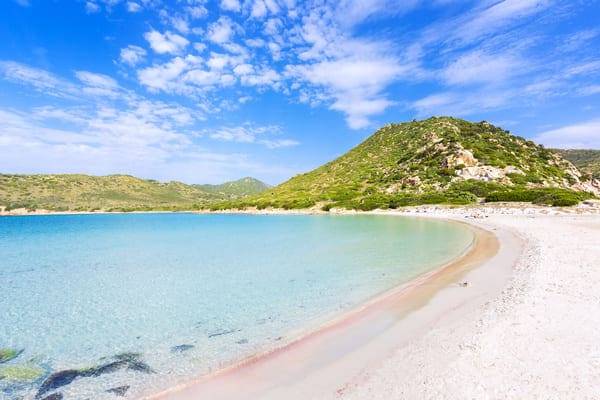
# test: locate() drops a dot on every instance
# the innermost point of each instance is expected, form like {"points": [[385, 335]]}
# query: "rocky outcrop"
{"points": [[483, 173], [591, 186], [488, 173], [412, 181], [461, 157]]}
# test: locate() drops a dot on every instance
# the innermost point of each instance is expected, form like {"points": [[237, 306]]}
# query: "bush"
{"points": [[549, 196], [327, 207], [477, 188]]}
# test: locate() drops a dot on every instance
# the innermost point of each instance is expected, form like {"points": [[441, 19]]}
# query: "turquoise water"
{"points": [[188, 293]]}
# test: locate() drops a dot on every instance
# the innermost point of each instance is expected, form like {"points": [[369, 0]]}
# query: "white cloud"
{"points": [[584, 135], [249, 133], [98, 84], [255, 42], [167, 42], [181, 25], [23, 3], [199, 77], [200, 47], [579, 39], [121, 134], [230, 5], [163, 76], [197, 11], [190, 75], [279, 143], [91, 7], [461, 104], [479, 67], [96, 80], [590, 90], [218, 61], [39, 79], [259, 9], [589, 67], [498, 15], [132, 55], [133, 7], [355, 85], [243, 69], [137, 141], [263, 77], [221, 31], [352, 12]]}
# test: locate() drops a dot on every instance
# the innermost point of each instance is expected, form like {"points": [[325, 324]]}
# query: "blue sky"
{"points": [[207, 91]]}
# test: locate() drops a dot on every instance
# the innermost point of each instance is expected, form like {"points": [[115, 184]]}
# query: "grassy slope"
{"points": [[381, 171], [114, 192], [588, 161], [242, 187]]}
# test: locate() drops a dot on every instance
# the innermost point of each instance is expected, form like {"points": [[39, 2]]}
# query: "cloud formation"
{"points": [[583, 135]]}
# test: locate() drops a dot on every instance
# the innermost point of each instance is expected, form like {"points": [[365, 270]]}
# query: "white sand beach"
{"points": [[525, 325], [538, 339]]}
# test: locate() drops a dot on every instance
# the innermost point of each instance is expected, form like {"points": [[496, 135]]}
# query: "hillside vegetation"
{"points": [[241, 187], [588, 161], [438, 160], [114, 193]]}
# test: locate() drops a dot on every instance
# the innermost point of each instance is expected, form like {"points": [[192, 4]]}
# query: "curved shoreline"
{"points": [[271, 374]]}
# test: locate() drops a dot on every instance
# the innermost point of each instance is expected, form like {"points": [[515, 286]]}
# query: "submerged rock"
{"points": [[54, 396], [133, 362], [181, 348], [59, 379], [221, 333], [9, 354], [119, 391]]}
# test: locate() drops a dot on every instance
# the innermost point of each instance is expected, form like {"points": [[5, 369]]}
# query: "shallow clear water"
{"points": [[77, 290]]}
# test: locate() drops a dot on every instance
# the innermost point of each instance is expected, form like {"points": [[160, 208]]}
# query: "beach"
{"points": [[538, 339], [521, 322]]}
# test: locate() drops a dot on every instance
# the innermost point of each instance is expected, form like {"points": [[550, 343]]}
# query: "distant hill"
{"points": [[438, 160], [588, 161], [76, 192], [242, 187]]}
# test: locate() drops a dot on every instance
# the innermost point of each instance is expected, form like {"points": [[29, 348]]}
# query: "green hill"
{"points": [[240, 188], [588, 161], [114, 193], [438, 160]]}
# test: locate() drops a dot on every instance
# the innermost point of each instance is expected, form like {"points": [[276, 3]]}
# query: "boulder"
{"points": [[483, 173], [461, 157]]}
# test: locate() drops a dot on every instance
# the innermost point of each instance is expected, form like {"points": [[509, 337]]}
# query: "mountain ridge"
{"points": [[586, 160], [118, 192]]}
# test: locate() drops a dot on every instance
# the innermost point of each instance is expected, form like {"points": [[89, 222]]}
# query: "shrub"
{"points": [[556, 197], [327, 207]]}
